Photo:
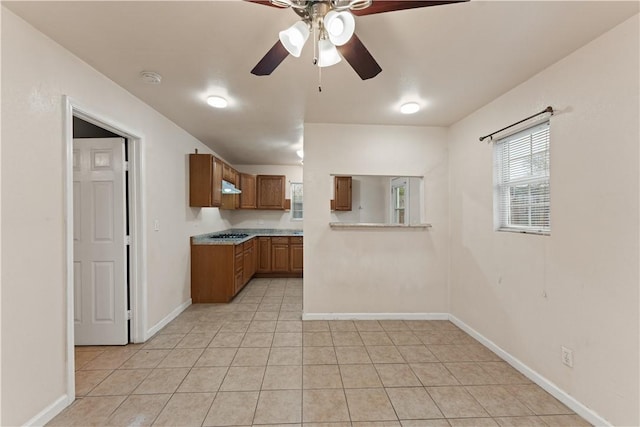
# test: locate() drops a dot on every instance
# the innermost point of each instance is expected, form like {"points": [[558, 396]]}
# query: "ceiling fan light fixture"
{"points": [[327, 53], [360, 4], [217, 102], [294, 38], [410, 108], [281, 3], [340, 26]]}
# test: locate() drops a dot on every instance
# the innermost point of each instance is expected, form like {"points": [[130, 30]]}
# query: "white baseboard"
{"points": [[543, 382], [50, 411], [375, 316], [168, 318]]}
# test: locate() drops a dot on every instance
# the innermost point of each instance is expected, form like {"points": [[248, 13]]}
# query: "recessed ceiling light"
{"points": [[409, 108], [217, 102]]}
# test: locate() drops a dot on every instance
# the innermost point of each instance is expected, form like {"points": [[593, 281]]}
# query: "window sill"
{"points": [[342, 225], [524, 231]]}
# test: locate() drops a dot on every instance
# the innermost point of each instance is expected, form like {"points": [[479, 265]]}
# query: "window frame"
{"points": [[293, 199], [504, 184]]}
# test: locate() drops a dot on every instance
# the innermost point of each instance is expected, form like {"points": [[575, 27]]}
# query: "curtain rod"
{"points": [[549, 109]]}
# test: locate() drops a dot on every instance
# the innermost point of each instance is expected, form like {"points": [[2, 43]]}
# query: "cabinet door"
{"points": [[280, 257], [342, 187], [296, 258], [270, 191], [227, 173], [264, 255], [200, 176], [255, 256], [249, 265], [248, 195], [216, 183]]}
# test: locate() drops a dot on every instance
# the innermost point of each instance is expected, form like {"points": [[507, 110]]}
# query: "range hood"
{"points": [[229, 188]]}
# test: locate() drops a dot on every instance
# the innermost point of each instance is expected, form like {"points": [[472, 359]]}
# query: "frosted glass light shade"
{"points": [[327, 54], [217, 102], [294, 38], [340, 26], [410, 108]]}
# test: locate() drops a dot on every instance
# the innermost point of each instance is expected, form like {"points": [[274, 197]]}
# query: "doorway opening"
{"points": [[100, 233], [103, 171]]}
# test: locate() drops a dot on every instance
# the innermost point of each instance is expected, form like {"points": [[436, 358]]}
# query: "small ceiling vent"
{"points": [[150, 77]]}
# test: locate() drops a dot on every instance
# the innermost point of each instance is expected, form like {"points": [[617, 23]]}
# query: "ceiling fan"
{"points": [[332, 23]]}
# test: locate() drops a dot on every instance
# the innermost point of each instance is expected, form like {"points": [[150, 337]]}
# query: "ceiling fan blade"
{"points": [[382, 6], [359, 58], [271, 60], [264, 2]]}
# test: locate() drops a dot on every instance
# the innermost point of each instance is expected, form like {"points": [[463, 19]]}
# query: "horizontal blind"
{"points": [[521, 181]]}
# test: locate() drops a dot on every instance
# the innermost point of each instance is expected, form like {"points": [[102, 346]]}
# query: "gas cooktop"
{"points": [[229, 236]]}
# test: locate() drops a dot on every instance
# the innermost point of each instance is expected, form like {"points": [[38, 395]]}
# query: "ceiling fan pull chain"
{"points": [[315, 43], [319, 79]]}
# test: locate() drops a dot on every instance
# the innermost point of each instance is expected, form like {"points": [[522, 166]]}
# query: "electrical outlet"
{"points": [[567, 356]]}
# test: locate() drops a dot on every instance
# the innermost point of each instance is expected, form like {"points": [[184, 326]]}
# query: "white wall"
{"points": [[248, 218], [588, 267], [374, 271], [36, 73]]}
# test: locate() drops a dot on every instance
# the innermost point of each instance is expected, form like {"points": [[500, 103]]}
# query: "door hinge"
{"points": [[126, 166], [127, 240], [129, 315]]}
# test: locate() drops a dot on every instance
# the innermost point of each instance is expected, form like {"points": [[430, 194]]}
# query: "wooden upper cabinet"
{"points": [[205, 181], [228, 173], [270, 191], [248, 195], [342, 196], [216, 183]]}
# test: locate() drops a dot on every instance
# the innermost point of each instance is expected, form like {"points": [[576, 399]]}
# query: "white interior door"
{"points": [[100, 287]]}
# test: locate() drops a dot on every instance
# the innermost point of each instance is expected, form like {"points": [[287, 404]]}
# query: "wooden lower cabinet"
{"points": [[218, 271], [280, 254], [295, 255], [249, 261], [280, 257], [264, 255]]}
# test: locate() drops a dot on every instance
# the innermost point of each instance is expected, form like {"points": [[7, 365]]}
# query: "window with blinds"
{"points": [[521, 181], [296, 200]]}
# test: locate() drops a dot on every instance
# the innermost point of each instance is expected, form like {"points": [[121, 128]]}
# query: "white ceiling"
{"points": [[452, 59]]}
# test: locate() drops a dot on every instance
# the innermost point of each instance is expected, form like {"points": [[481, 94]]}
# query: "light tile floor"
{"points": [[254, 362]]}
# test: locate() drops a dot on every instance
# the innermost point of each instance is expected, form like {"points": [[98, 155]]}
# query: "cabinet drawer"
{"points": [[249, 244], [284, 240], [239, 261], [238, 248], [295, 239]]}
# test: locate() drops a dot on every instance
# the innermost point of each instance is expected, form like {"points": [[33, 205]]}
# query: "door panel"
{"points": [[103, 289], [100, 299], [103, 212]]}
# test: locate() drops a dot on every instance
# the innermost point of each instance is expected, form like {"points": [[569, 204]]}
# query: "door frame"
{"points": [[138, 248]]}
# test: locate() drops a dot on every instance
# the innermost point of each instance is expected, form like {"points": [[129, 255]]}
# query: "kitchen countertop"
{"points": [[205, 239]]}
